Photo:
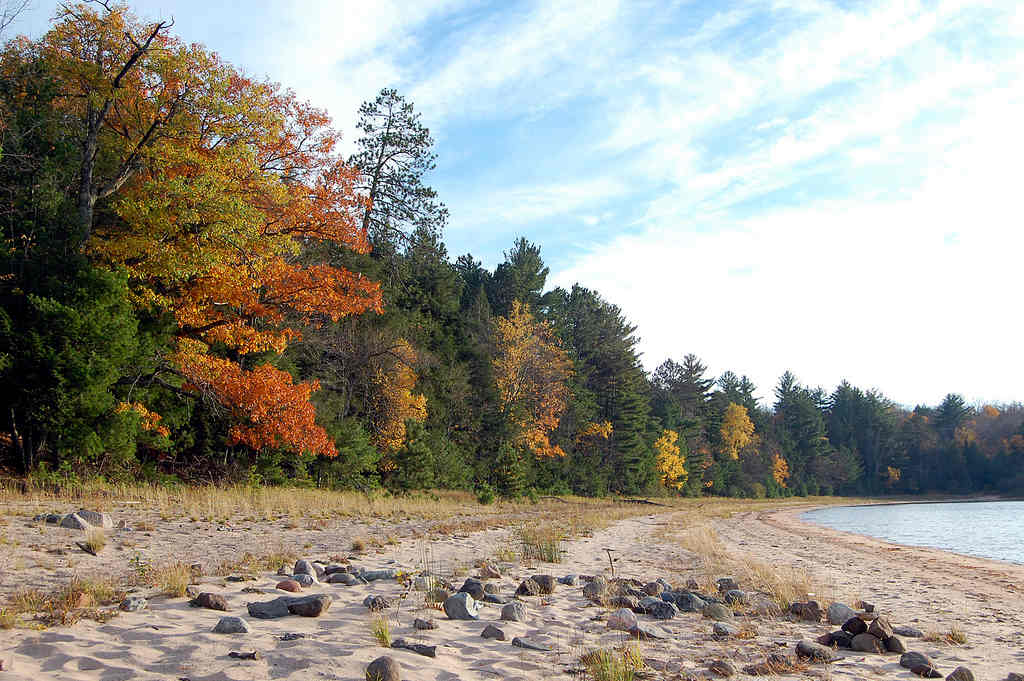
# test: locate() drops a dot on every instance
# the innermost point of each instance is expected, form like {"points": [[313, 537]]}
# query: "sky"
{"points": [[828, 187]]}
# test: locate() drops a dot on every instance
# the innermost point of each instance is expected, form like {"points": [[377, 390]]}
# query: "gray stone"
{"points": [[867, 643], [854, 626], [815, 651], [1013, 676], [809, 611], [545, 582], [133, 604], [384, 668], [688, 602], [514, 612], [496, 599], [723, 668], [96, 519], [73, 521], [491, 588], [473, 587], [309, 606], [418, 648], [622, 620], [423, 624], [926, 671], [461, 606], [913, 658], [342, 578], [894, 644], [374, 575], [231, 625], [880, 628], [304, 567], [304, 579], [595, 590], [645, 632], [305, 606], [488, 571], [529, 587], [658, 609], [909, 632], [626, 601], [724, 629], [765, 607], [718, 612], [529, 645], [378, 603], [961, 674], [48, 518], [491, 631], [333, 569], [653, 588], [839, 639], [735, 596], [568, 580], [838, 613]]}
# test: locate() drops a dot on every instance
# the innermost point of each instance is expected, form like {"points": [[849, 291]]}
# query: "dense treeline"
{"points": [[195, 285]]}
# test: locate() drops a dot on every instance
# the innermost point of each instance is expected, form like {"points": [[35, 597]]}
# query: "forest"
{"points": [[197, 286]]}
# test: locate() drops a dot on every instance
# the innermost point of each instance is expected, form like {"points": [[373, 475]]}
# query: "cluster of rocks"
{"points": [[82, 519]]}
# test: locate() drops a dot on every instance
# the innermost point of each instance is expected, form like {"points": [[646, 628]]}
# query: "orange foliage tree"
{"points": [[531, 372], [206, 186]]}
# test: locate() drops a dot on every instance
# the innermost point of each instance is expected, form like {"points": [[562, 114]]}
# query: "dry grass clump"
{"points": [[613, 665], [381, 631], [251, 562], [8, 618], [359, 544], [954, 637], [541, 542], [172, 580], [95, 540], [80, 598]]}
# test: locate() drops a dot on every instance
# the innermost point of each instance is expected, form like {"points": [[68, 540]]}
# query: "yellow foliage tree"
{"points": [[394, 402], [595, 429], [669, 462], [531, 371], [780, 469], [737, 430]]}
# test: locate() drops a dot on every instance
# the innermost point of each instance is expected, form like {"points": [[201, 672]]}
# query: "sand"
{"points": [[170, 640]]}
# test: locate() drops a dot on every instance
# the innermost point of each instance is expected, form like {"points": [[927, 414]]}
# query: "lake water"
{"points": [[987, 529]]}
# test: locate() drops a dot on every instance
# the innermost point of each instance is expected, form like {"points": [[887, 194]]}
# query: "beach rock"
{"points": [[529, 645], [773, 665], [423, 625], [839, 639], [961, 674], [48, 518], [926, 671], [626, 601], [868, 607], [653, 588], [809, 611], [304, 567], [854, 626], [491, 631], [345, 578], [461, 606], [839, 613], [546, 583], [718, 612], [496, 599], [514, 612], [688, 602], [622, 620], [645, 632], [492, 588], [723, 668], [418, 648], [292, 636], [724, 629], [289, 585], [595, 590], [691, 584], [310, 606], [568, 580], [726, 584], [231, 625], [735, 596], [529, 587], [210, 601], [911, 659], [765, 607], [251, 655], [304, 579], [73, 521], [815, 651], [909, 632], [867, 643], [488, 571], [658, 609], [133, 604], [473, 587], [333, 569], [880, 628], [384, 669], [1012, 676], [377, 603], [894, 644], [96, 519], [374, 575]]}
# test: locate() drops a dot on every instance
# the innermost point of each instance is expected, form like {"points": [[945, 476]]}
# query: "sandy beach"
{"points": [[927, 589]]}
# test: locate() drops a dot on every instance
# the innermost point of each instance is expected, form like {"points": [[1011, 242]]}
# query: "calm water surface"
{"points": [[988, 529]]}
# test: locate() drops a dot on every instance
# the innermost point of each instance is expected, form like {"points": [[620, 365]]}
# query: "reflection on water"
{"points": [[988, 529]]}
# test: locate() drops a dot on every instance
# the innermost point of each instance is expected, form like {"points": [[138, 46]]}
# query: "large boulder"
{"points": [[461, 606], [514, 612], [838, 613], [96, 518], [867, 643], [622, 620], [473, 587]]}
